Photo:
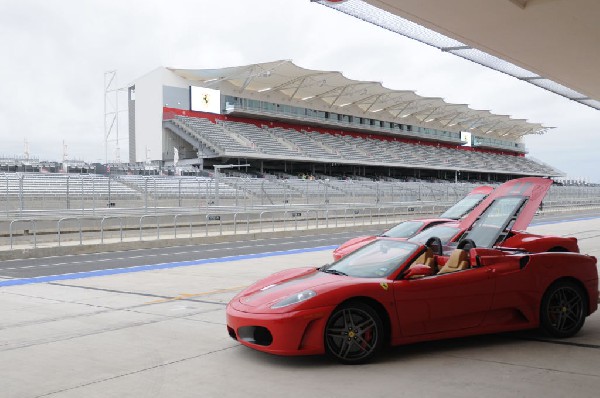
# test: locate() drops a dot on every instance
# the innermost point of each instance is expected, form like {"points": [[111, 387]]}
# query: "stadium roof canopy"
{"points": [[553, 44], [330, 90]]}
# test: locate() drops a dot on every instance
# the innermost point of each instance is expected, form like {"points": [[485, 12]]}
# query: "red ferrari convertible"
{"points": [[394, 292], [407, 229], [515, 235]]}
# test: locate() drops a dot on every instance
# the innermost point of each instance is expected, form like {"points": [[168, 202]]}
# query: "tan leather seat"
{"points": [[427, 259], [459, 260]]}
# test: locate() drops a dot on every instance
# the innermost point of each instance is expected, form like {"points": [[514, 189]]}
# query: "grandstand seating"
{"points": [[229, 138], [262, 139], [166, 186], [50, 185], [306, 144], [216, 136]]}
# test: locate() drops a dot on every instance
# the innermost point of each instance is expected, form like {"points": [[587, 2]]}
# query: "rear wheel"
{"points": [[564, 308], [354, 333]]}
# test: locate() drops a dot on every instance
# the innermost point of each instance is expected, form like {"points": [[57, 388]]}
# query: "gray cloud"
{"points": [[55, 55]]}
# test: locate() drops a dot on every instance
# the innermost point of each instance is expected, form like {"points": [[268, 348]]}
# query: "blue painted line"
{"points": [[564, 221], [141, 268]]}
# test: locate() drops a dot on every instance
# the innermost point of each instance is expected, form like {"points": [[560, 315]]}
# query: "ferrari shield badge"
{"points": [[384, 286]]}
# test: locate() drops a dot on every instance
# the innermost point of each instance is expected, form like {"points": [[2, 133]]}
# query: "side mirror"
{"points": [[418, 271]]}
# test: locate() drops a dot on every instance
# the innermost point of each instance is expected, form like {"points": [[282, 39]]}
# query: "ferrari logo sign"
{"points": [[204, 99], [384, 286]]}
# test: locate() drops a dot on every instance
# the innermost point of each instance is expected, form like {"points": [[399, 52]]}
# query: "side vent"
{"points": [[523, 261]]}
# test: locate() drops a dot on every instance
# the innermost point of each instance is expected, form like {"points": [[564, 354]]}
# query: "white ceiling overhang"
{"points": [[552, 44]]}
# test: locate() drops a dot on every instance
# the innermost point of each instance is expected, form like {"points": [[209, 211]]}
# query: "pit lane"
{"points": [[161, 333]]}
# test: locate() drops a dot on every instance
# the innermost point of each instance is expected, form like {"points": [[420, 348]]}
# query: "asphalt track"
{"points": [[148, 259], [150, 323]]}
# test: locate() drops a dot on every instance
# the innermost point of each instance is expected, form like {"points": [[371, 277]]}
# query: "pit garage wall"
{"points": [[152, 91]]}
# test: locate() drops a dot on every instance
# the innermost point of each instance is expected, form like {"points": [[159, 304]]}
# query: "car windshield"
{"points": [[403, 230], [375, 260], [463, 206], [494, 220], [444, 232]]}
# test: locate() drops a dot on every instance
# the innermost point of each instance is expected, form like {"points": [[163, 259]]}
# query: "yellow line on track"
{"points": [[185, 296]]}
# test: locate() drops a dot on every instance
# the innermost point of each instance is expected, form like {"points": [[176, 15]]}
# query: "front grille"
{"points": [[256, 335]]}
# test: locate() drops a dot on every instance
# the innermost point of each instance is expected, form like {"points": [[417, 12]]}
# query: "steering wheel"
{"points": [[466, 242], [435, 244]]}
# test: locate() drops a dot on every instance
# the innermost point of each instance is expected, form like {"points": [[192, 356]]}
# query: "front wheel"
{"points": [[564, 308], [354, 333]]}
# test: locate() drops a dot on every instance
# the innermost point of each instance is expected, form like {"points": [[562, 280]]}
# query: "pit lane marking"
{"points": [[567, 343], [160, 255], [187, 296], [162, 266]]}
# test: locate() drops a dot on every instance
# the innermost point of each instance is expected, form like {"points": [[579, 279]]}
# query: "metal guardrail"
{"points": [[156, 226], [94, 194], [52, 233], [32, 222], [102, 227], [66, 219]]}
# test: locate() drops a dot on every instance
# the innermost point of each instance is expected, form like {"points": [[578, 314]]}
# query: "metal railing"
{"points": [[34, 233], [84, 195], [127, 228]]}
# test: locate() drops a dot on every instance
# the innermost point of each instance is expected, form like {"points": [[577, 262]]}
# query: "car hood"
{"points": [[283, 284]]}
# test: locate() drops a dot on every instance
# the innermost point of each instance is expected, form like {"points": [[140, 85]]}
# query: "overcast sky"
{"points": [[55, 53]]}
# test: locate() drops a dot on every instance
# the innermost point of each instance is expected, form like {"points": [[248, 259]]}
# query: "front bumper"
{"points": [[292, 333]]}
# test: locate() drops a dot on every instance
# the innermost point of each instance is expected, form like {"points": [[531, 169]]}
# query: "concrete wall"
{"points": [[149, 102]]}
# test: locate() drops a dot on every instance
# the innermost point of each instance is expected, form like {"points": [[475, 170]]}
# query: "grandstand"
{"points": [[237, 139], [281, 118], [48, 186]]}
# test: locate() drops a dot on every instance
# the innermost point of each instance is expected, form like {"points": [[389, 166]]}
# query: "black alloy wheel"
{"points": [[564, 308], [354, 333]]}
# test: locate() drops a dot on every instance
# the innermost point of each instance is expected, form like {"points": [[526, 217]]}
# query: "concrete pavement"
{"points": [[162, 333]]}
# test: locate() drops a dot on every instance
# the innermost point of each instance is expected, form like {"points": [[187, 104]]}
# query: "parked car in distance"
{"points": [[407, 229]]}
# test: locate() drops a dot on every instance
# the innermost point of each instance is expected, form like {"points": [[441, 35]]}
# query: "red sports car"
{"points": [[397, 292], [514, 236], [407, 229]]}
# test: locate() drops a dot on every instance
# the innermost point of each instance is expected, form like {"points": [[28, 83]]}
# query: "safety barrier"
{"points": [[70, 230]]}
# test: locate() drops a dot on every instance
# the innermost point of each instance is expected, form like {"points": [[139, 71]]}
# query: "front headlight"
{"points": [[295, 299]]}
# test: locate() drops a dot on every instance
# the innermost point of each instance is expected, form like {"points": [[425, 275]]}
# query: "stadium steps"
{"points": [[331, 151], [190, 135], [289, 145], [215, 136], [241, 139], [306, 145], [182, 132]]}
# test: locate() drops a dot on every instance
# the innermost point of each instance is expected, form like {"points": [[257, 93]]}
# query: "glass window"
{"points": [[403, 230], [488, 227], [463, 206], [444, 232], [375, 260]]}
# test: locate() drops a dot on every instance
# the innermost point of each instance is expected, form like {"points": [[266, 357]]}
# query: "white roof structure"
{"points": [[552, 44], [332, 91]]}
